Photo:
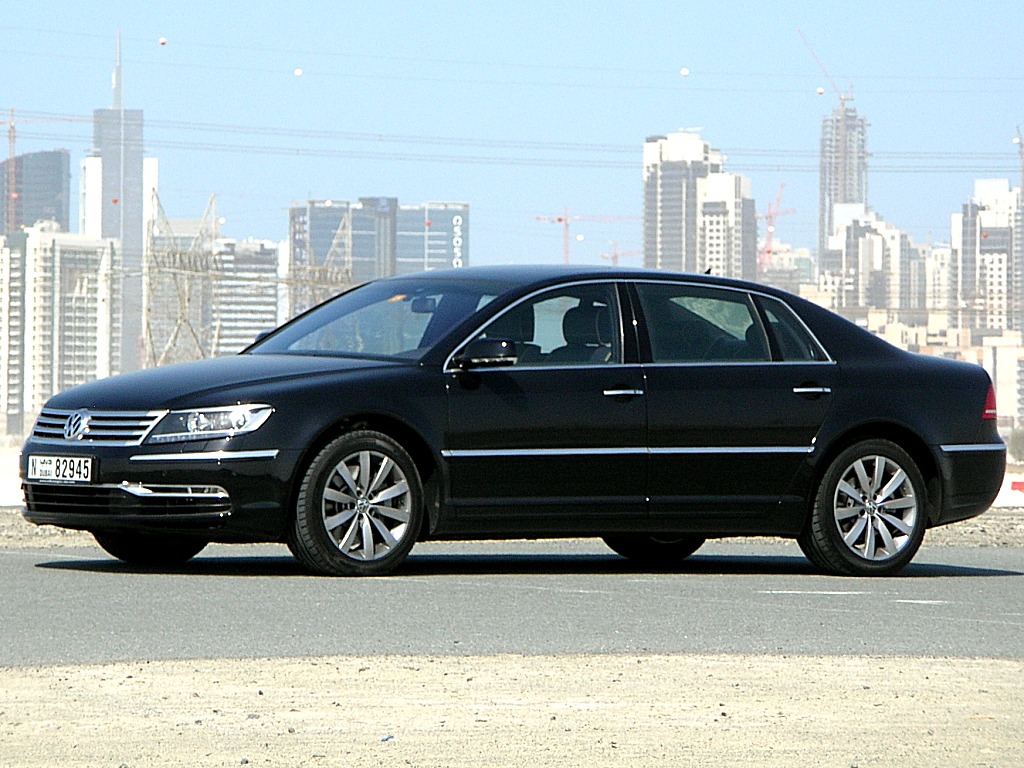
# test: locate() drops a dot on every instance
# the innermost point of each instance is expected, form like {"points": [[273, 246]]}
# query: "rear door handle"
{"points": [[623, 392]]}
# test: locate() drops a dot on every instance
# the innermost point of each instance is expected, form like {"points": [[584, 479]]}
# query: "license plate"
{"points": [[60, 469]]}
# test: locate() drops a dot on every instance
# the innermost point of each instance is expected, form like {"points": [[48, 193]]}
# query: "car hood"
{"points": [[170, 386]]}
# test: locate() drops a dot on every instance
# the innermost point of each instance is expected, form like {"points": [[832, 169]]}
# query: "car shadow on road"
{"points": [[468, 564]]}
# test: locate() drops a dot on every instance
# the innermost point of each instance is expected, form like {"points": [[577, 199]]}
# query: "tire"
{"points": [[870, 512], [359, 508], [149, 549], [654, 549]]}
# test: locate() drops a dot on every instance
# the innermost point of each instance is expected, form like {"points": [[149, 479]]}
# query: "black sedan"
{"points": [[651, 409]]}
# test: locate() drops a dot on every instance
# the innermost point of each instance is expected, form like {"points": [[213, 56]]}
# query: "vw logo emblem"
{"points": [[77, 425]]}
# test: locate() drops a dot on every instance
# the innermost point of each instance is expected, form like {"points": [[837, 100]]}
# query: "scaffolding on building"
{"points": [[183, 267], [179, 272], [313, 280]]}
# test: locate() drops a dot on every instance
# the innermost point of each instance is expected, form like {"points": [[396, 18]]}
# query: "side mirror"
{"points": [[262, 335], [486, 353]]}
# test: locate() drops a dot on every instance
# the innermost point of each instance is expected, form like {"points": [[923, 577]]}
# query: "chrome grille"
{"points": [[104, 428]]}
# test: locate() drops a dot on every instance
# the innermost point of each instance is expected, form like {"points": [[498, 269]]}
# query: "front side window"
{"points": [[691, 324], [571, 326]]}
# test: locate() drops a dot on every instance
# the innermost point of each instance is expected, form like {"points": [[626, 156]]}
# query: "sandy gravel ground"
{"points": [[517, 711], [570, 711]]}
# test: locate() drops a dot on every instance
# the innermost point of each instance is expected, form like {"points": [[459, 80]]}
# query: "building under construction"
{"points": [[843, 170]]}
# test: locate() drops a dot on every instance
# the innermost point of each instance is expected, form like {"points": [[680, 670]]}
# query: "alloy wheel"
{"points": [[875, 508], [366, 505]]}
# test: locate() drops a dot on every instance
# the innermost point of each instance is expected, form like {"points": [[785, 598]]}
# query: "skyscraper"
{"points": [[843, 171], [113, 202], [333, 243], [42, 189], [696, 216]]}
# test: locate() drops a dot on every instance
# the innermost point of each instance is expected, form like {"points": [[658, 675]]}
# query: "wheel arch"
{"points": [[409, 438], [900, 435]]}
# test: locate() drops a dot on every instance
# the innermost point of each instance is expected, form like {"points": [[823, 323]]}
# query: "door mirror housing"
{"points": [[486, 353]]}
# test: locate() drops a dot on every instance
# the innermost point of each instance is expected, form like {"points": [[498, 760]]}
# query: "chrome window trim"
{"points": [[747, 292], [748, 363], [475, 453], [613, 282], [207, 456], [973, 447]]}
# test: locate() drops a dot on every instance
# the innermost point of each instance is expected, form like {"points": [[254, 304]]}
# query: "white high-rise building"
{"points": [[59, 317], [987, 266], [876, 264], [696, 216]]}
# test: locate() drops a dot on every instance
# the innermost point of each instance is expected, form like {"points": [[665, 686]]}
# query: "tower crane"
{"points": [[843, 97], [616, 254], [565, 220], [770, 216]]}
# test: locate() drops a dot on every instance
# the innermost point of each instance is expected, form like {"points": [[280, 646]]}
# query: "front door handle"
{"points": [[812, 391]]}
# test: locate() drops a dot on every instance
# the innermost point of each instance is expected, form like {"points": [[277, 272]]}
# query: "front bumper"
{"points": [[220, 493], [127, 505]]}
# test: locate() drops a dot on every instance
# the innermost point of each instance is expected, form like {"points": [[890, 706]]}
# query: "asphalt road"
{"points": [[74, 606]]}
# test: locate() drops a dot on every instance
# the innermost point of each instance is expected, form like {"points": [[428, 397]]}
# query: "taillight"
{"points": [[990, 404]]}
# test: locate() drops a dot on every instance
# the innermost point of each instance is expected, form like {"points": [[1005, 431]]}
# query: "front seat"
{"points": [[587, 331], [517, 325]]}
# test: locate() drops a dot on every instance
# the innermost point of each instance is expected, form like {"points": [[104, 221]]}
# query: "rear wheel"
{"points": [[654, 549], [360, 507], [149, 549], [870, 512]]}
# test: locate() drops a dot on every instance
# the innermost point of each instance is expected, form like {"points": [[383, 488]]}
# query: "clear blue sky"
{"points": [[523, 108]]}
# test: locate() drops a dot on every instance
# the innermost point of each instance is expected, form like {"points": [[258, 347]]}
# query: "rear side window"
{"points": [[789, 338], [688, 323]]}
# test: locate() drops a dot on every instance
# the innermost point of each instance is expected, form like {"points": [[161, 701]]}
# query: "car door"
{"points": [[557, 440], [736, 392]]}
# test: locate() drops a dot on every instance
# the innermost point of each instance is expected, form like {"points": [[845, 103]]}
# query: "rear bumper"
{"points": [[973, 475]]}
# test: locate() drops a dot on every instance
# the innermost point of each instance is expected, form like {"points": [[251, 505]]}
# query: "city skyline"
{"points": [[521, 116]]}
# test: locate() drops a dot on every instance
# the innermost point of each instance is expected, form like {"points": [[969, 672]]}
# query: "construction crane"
{"points": [[616, 254], [12, 179], [842, 155], [770, 216], [565, 220], [843, 97]]}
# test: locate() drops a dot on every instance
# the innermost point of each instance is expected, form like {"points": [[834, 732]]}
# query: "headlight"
{"points": [[209, 423]]}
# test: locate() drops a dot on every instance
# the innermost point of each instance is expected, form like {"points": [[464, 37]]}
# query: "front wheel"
{"points": [[359, 509], [870, 512], [149, 549], [654, 549]]}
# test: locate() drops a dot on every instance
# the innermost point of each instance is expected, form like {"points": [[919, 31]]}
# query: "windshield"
{"points": [[398, 318]]}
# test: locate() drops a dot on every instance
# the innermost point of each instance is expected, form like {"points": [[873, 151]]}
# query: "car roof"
{"points": [[530, 274]]}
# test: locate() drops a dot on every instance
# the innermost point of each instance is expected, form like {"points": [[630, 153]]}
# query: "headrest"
{"points": [[589, 325], [515, 325]]}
